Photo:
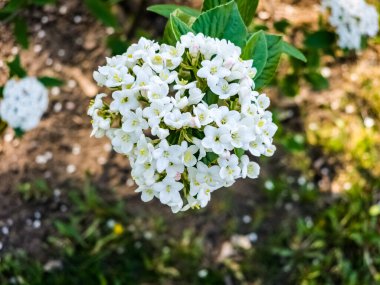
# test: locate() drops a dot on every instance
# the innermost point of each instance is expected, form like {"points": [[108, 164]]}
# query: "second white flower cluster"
{"points": [[24, 103], [353, 19], [186, 116]]}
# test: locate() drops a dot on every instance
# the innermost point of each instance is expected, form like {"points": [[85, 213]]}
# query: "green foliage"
{"points": [[21, 32], [15, 68], [102, 11], [36, 190], [257, 49], [174, 29], [321, 39], [247, 9], [292, 51], [222, 22], [50, 81], [274, 44], [117, 44], [166, 9]]}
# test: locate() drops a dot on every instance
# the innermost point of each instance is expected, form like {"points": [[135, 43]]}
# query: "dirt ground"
{"points": [[68, 43]]}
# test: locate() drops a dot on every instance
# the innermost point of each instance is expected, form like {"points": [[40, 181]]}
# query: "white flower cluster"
{"points": [[24, 103], [352, 19], [185, 116]]}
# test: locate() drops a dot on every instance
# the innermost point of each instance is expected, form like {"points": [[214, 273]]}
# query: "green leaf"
{"points": [[50, 81], [321, 39], [210, 158], [247, 9], [211, 4], [257, 50], [101, 11], [281, 25], [317, 81], [166, 9], [274, 44], [223, 22], [44, 2], [14, 5], [174, 29], [117, 44], [239, 152], [210, 98], [19, 132], [1, 91], [15, 68], [292, 51], [21, 32]]}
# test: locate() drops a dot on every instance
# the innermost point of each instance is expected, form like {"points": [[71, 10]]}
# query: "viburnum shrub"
{"points": [[187, 112], [23, 99], [353, 20]]}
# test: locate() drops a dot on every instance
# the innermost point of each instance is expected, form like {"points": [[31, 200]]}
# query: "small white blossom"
{"points": [[24, 103]]}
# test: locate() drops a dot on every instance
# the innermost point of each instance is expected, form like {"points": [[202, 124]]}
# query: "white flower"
{"points": [[229, 168], [189, 158], [225, 89], [169, 190], [202, 114], [124, 141], [223, 117], [134, 121], [208, 175], [213, 70], [166, 154], [195, 96], [143, 150], [124, 100], [213, 140], [147, 193], [249, 168]]}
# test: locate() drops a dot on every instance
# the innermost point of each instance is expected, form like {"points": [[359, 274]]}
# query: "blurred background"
{"points": [[68, 211]]}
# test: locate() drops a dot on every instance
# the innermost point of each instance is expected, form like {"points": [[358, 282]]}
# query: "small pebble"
{"points": [[130, 182], [71, 168], [5, 231], [70, 105], [57, 107], [246, 219], [37, 215], [61, 52], [71, 83], [41, 34], [202, 273], [253, 237], [49, 61], [55, 91], [44, 19], [77, 19], [369, 122], [76, 149], [57, 192], [62, 10], [36, 224], [269, 185], [102, 160], [37, 48]]}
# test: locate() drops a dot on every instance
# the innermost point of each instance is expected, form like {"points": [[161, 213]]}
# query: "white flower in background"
{"points": [[24, 103], [181, 130], [352, 19]]}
